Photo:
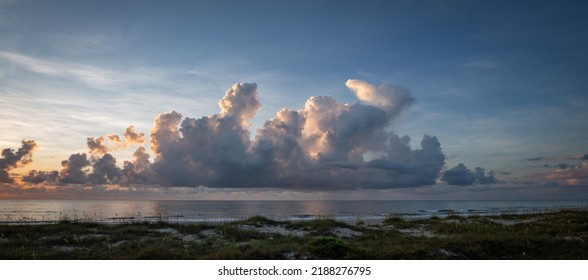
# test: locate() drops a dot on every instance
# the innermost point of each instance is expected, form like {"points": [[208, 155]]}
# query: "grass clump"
{"points": [[233, 233], [320, 226], [259, 221], [330, 248]]}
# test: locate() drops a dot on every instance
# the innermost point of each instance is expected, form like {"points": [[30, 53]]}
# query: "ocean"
{"points": [[119, 211]]}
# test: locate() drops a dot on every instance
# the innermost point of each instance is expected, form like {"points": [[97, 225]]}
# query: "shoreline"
{"points": [[49, 211], [368, 220]]}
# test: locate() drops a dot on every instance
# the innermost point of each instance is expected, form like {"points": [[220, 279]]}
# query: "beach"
{"points": [[549, 235]]}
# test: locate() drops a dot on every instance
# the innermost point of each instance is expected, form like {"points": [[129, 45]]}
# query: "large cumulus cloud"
{"points": [[324, 145]]}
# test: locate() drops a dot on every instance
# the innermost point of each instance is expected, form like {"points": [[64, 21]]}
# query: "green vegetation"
{"points": [[557, 235], [330, 248]]}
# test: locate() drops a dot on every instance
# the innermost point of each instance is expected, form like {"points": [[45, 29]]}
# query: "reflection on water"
{"points": [[75, 210], [113, 211]]}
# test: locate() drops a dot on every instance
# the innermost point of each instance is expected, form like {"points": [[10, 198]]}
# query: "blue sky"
{"points": [[497, 82]]}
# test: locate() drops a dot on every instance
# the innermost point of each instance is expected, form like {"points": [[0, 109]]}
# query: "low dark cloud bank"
{"points": [[564, 174], [461, 176], [324, 145]]}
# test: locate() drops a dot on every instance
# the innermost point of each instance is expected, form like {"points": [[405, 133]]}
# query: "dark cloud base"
{"points": [[462, 176]]}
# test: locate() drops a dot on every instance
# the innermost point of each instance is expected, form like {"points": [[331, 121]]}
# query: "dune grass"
{"points": [[557, 235]]}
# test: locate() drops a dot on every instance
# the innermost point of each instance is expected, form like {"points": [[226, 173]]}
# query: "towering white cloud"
{"points": [[319, 146], [211, 150], [240, 102], [393, 99], [165, 131]]}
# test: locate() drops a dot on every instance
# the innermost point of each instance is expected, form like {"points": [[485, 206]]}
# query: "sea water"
{"points": [[119, 211]]}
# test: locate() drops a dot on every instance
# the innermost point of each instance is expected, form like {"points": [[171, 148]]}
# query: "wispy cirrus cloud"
{"points": [[100, 40], [72, 100], [556, 158], [481, 65], [86, 74]]}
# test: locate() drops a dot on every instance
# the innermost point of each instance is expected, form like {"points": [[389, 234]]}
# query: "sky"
{"points": [[294, 99]]}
